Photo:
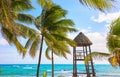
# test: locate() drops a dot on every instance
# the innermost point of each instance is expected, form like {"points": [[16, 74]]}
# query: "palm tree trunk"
{"points": [[52, 65], [39, 60]]}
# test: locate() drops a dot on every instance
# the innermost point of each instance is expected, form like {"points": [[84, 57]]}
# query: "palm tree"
{"points": [[9, 12], [113, 43], [11, 18], [51, 25], [59, 48]]}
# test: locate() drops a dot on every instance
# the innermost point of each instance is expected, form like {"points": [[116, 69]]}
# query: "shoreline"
{"points": [[67, 75]]}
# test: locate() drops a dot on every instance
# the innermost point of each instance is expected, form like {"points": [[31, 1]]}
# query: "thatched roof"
{"points": [[82, 40]]}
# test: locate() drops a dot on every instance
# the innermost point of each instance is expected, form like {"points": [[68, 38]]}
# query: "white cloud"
{"points": [[108, 18], [98, 40], [73, 35], [3, 42], [99, 44], [84, 30], [88, 29]]}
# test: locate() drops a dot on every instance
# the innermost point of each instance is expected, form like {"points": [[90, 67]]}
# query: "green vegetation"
{"points": [[10, 24], [51, 23], [113, 43], [102, 5], [61, 76], [44, 74], [0, 70], [53, 28]]}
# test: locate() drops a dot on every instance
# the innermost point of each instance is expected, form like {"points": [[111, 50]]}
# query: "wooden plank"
{"points": [[79, 59]]}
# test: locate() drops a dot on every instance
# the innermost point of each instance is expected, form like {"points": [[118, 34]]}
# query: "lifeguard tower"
{"points": [[79, 53]]}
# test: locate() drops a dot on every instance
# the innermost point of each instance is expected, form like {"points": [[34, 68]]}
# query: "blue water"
{"points": [[29, 70]]}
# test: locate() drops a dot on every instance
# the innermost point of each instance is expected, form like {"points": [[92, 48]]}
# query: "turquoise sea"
{"points": [[64, 70]]}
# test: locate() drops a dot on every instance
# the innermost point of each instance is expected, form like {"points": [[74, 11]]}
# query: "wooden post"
{"points": [[83, 52], [87, 66], [74, 62], [84, 58], [93, 72]]}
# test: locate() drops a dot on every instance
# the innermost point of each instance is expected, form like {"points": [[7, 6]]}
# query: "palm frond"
{"points": [[26, 31], [113, 61], [116, 53], [98, 4], [46, 4], [59, 48], [6, 15], [54, 14], [34, 47], [21, 5], [28, 43], [64, 22], [19, 47], [7, 35], [48, 43], [115, 27], [113, 42], [55, 51], [38, 22], [62, 46], [96, 55], [47, 53], [62, 29], [49, 37], [26, 18], [12, 39], [64, 38], [63, 54]]}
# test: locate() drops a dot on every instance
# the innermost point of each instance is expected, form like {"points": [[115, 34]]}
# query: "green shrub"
{"points": [[44, 74]]}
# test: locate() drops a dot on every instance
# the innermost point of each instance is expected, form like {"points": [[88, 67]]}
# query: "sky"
{"points": [[93, 23]]}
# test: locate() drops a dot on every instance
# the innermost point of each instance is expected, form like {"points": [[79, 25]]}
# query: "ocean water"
{"points": [[63, 70]]}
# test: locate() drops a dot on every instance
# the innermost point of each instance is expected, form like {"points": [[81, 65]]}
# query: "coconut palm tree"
{"points": [[113, 43], [11, 18], [51, 24], [9, 12], [59, 48]]}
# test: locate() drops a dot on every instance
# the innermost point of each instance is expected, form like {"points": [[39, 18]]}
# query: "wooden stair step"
{"points": [[79, 59]]}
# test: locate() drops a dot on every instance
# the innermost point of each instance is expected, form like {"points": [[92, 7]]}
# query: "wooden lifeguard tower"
{"points": [[79, 53]]}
